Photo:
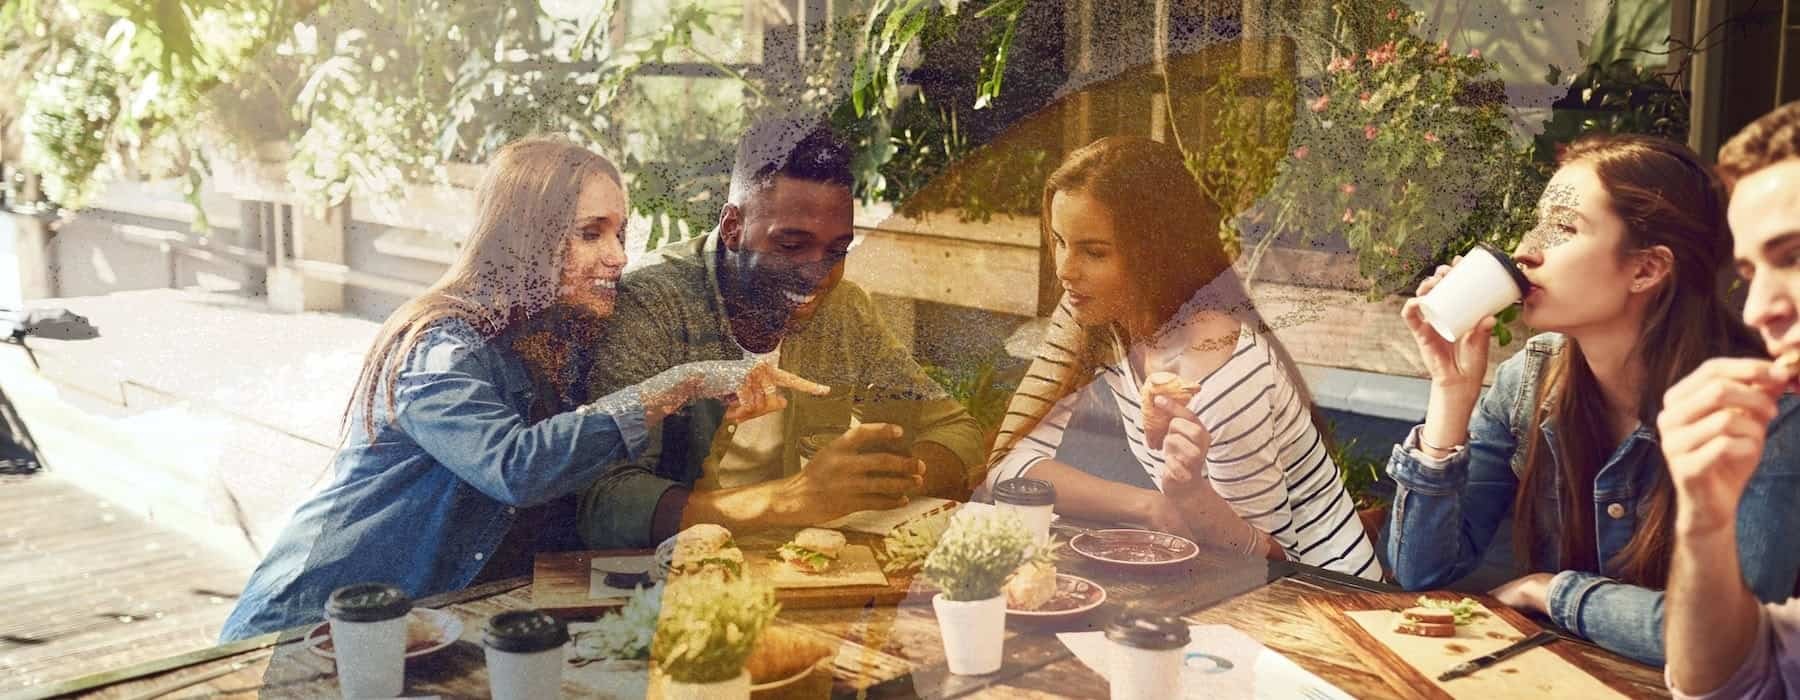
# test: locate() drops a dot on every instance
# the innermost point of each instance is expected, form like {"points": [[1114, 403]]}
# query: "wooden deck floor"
{"points": [[85, 587]]}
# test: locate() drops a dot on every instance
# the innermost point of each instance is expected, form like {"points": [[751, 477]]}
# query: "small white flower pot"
{"points": [[666, 688], [973, 632]]}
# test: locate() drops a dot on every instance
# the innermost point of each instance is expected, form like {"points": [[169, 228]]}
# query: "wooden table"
{"points": [[883, 652]]}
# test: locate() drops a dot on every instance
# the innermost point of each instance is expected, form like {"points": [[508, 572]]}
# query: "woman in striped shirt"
{"points": [[1148, 288]]}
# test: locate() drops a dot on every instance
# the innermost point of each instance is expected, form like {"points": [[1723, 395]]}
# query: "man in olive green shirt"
{"points": [[768, 282]]}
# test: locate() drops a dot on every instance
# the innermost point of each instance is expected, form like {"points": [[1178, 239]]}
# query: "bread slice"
{"points": [[1430, 615], [1156, 421], [1425, 629]]}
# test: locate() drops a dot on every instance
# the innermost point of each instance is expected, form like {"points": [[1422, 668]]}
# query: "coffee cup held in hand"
{"points": [[1485, 282]]}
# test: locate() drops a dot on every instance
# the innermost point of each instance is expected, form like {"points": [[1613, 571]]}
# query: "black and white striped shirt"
{"points": [[1267, 459]]}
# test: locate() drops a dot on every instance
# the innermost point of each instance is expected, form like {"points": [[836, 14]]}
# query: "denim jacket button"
{"points": [[1616, 510], [478, 556]]}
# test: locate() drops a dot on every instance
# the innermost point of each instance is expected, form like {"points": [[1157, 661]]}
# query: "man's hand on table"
{"points": [[848, 475]]}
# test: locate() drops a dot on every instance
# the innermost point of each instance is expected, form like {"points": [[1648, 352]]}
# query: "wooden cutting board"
{"points": [[560, 585], [1411, 664]]}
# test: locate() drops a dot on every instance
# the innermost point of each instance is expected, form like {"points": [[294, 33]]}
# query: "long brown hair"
{"points": [[1168, 239], [1666, 197], [510, 266]]}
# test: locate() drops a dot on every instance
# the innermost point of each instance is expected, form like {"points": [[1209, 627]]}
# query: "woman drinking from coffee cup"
{"points": [[1624, 270], [1212, 409], [441, 457]]}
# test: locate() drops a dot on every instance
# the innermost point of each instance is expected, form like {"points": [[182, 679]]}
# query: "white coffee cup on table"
{"points": [[368, 638], [1483, 283], [1033, 501], [524, 655], [1146, 656]]}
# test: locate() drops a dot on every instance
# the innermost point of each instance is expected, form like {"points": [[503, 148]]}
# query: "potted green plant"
{"points": [[1360, 475], [704, 634], [969, 565]]}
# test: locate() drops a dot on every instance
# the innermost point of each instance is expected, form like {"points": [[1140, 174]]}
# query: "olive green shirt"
{"points": [[670, 311]]}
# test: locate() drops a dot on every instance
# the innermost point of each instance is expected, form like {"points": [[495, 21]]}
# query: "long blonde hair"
{"points": [[510, 266]]}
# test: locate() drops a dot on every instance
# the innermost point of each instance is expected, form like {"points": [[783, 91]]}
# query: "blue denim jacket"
{"points": [[423, 502], [1445, 513]]}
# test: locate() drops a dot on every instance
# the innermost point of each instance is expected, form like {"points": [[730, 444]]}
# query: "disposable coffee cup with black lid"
{"points": [[1033, 501], [367, 602], [1146, 653], [1480, 285], [524, 654], [368, 638]]}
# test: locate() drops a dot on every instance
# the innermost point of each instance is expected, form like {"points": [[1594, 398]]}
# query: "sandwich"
{"points": [[1427, 622], [1031, 586], [1790, 361], [706, 548], [813, 550], [1156, 422]]}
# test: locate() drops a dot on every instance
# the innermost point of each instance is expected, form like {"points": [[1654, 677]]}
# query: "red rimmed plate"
{"points": [[447, 625], [1074, 596], [1134, 548]]}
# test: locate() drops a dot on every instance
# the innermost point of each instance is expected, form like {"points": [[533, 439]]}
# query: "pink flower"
{"points": [[1444, 47], [1393, 14], [1349, 216], [1474, 53], [1364, 97], [1300, 153], [1319, 105], [1369, 132], [1340, 64], [1384, 54], [1347, 188], [1430, 137]]}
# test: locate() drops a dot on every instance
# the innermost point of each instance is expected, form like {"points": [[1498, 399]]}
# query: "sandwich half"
{"points": [[813, 550]]}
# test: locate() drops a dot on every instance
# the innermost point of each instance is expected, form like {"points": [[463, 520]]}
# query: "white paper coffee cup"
{"points": [[1481, 285], [1033, 501], [1145, 656], [368, 639], [524, 655]]}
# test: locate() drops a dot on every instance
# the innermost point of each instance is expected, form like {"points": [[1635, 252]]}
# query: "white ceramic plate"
{"points": [[1134, 548], [1091, 594]]}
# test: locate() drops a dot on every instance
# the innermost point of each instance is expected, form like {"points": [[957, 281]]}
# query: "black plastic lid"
{"points": [[367, 602], [1512, 268], [1147, 631], [1021, 491], [524, 632]]}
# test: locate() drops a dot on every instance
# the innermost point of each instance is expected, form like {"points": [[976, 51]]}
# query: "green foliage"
{"points": [[905, 547], [1359, 474], [1399, 153], [708, 625], [1239, 162], [977, 554], [982, 389], [69, 110]]}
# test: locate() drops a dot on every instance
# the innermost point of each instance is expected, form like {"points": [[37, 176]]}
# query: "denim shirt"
{"points": [[423, 502], [1470, 493]]}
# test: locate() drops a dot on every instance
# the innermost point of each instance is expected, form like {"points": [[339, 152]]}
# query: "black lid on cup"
{"points": [[524, 632], [367, 602], [1021, 491], [1148, 631], [1511, 267]]}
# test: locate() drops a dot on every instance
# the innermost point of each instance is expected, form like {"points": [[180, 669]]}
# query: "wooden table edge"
{"points": [[102, 679]]}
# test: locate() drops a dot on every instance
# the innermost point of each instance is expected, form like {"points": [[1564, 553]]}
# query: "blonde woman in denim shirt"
{"points": [[441, 456], [1625, 266]]}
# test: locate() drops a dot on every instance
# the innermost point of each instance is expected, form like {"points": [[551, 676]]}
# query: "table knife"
{"points": [[1484, 661]]}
